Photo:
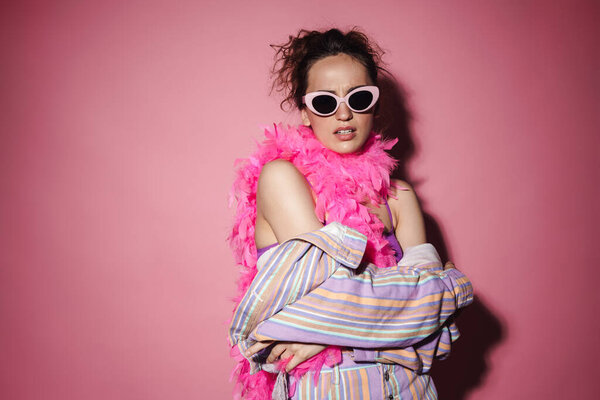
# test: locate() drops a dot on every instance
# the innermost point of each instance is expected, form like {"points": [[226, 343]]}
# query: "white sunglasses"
{"points": [[325, 104]]}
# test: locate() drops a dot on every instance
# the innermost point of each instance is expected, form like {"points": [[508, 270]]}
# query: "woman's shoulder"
{"points": [[404, 205], [398, 186], [284, 201], [401, 197], [279, 172], [280, 179]]}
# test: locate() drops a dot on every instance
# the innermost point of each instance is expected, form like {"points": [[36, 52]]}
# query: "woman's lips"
{"points": [[345, 133]]}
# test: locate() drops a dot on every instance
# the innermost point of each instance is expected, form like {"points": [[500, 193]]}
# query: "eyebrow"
{"points": [[349, 90]]}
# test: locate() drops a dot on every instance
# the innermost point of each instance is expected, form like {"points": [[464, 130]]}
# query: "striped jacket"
{"points": [[309, 289]]}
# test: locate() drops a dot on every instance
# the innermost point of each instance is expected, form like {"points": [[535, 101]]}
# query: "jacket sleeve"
{"points": [[292, 270], [393, 307], [419, 357]]}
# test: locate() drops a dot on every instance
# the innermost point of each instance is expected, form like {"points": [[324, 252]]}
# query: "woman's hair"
{"points": [[294, 59]]}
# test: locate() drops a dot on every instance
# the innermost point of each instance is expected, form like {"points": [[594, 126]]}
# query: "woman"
{"points": [[332, 168]]}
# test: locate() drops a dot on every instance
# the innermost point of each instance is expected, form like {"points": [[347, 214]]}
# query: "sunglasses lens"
{"points": [[361, 100], [324, 104]]}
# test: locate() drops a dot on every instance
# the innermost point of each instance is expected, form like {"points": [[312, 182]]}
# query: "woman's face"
{"points": [[339, 74]]}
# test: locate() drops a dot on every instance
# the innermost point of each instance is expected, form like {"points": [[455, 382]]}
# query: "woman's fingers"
{"points": [[449, 265], [298, 352], [256, 347], [288, 353], [276, 352], [294, 363], [301, 353]]}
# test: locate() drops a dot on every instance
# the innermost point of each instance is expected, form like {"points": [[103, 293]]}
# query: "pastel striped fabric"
{"points": [[389, 307], [294, 269], [396, 316], [418, 358]]}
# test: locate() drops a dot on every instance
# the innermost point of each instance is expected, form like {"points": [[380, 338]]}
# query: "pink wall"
{"points": [[119, 126]]}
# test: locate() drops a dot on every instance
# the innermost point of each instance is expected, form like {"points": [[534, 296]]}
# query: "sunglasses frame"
{"points": [[308, 97]]}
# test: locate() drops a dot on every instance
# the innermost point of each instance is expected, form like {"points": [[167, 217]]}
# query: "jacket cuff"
{"points": [[463, 291], [363, 355]]}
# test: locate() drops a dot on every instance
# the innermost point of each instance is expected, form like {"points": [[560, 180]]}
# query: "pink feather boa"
{"points": [[343, 184]]}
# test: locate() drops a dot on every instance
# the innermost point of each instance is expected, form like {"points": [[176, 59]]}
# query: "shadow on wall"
{"points": [[480, 330], [393, 120], [467, 366]]}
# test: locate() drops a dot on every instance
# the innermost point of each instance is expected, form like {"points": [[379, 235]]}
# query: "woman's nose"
{"points": [[343, 113]]}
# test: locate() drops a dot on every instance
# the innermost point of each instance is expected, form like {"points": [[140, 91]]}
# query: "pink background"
{"points": [[119, 125]]}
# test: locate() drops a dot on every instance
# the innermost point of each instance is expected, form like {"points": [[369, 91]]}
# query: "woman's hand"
{"points": [[449, 265], [299, 351], [284, 350]]}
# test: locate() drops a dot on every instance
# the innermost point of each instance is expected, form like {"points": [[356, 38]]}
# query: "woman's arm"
{"points": [[409, 222], [379, 308], [285, 209], [284, 203], [391, 307]]}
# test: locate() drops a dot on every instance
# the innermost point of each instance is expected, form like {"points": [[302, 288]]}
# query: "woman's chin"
{"points": [[346, 146]]}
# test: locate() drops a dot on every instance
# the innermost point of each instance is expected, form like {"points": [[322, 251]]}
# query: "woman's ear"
{"points": [[305, 119]]}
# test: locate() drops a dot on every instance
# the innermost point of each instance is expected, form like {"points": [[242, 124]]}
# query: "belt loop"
{"points": [[336, 375], [334, 389]]}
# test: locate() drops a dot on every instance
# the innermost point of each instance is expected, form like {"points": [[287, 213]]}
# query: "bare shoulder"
{"points": [[401, 195], [399, 186], [402, 199], [279, 170], [279, 179], [404, 204], [284, 200]]}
